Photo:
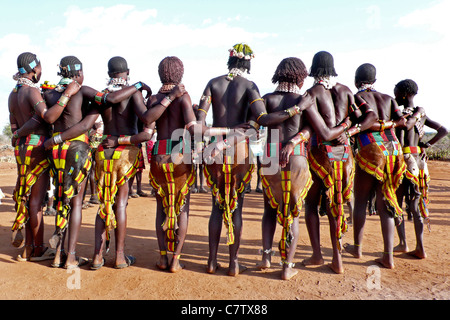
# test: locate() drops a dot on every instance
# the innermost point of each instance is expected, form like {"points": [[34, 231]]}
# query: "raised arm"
{"points": [[441, 133], [158, 107], [52, 114], [102, 98]]}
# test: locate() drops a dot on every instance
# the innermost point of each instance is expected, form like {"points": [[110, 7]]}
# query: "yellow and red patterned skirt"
{"points": [[227, 179], [172, 179], [380, 155], [285, 188], [32, 162]]}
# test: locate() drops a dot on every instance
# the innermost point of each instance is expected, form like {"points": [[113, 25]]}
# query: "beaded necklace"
{"points": [[115, 84], [27, 82], [288, 87], [326, 81], [62, 84], [368, 87], [235, 72], [166, 88]]}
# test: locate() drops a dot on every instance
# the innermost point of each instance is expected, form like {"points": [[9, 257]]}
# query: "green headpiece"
{"points": [[242, 51]]}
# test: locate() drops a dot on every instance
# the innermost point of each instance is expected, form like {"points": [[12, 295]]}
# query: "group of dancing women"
{"points": [[319, 145]]}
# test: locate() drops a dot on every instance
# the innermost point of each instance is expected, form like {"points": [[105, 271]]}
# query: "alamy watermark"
{"points": [[373, 277], [227, 145], [74, 280]]}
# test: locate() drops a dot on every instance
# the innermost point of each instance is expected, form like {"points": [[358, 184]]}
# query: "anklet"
{"points": [[288, 264], [267, 251], [163, 253], [177, 256]]}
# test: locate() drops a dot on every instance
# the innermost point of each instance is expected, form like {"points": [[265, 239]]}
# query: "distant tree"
{"points": [[7, 131]]}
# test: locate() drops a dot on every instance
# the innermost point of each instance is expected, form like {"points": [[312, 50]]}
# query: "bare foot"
{"points": [[60, 259], [339, 269], [176, 265], [401, 248], [27, 253], [236, 269], [264, 264], [163, 263], [313, 261], [386, 261], [354, 250], [288, 273], [420, 254], [212, 267]]}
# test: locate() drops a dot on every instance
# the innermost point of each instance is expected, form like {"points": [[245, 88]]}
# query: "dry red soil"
{"points": [[411, 279]]}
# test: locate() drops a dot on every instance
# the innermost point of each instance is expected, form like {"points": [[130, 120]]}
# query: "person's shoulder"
{"points": [[185, 98], [343, 88], [316, 89], [217, 79]]}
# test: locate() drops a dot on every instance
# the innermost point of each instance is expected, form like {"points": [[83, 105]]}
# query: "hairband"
{"points": [[32, 65]]}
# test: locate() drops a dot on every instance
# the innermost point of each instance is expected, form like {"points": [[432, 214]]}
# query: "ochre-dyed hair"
{"points": [[70, 67], [407, 86], [290, 70], [322, 65], [171, 70], [366, 73], [24, 60]]}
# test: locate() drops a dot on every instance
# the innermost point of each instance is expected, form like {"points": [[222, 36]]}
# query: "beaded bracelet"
{"points": [[138, 85], [298, 138], [98, 97], [15, 135], [382, 125], [292, 111], [63, 100]]}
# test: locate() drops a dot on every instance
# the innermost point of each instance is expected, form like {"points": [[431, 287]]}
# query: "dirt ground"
{"points": [[412, 278]]}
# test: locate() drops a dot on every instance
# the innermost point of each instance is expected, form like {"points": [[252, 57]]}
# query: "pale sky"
{"points": [[403, 39]]}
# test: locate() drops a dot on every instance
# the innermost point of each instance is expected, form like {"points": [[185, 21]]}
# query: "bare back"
{"points": [[279, 101], [332, 104], [120, 119], [231, 100], [175, 117], [382, 104]]}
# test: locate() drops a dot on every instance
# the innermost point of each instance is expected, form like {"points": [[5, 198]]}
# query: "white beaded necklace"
{"points": [[27, 82], [326, 81], [288, 87], [115, 84]]}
